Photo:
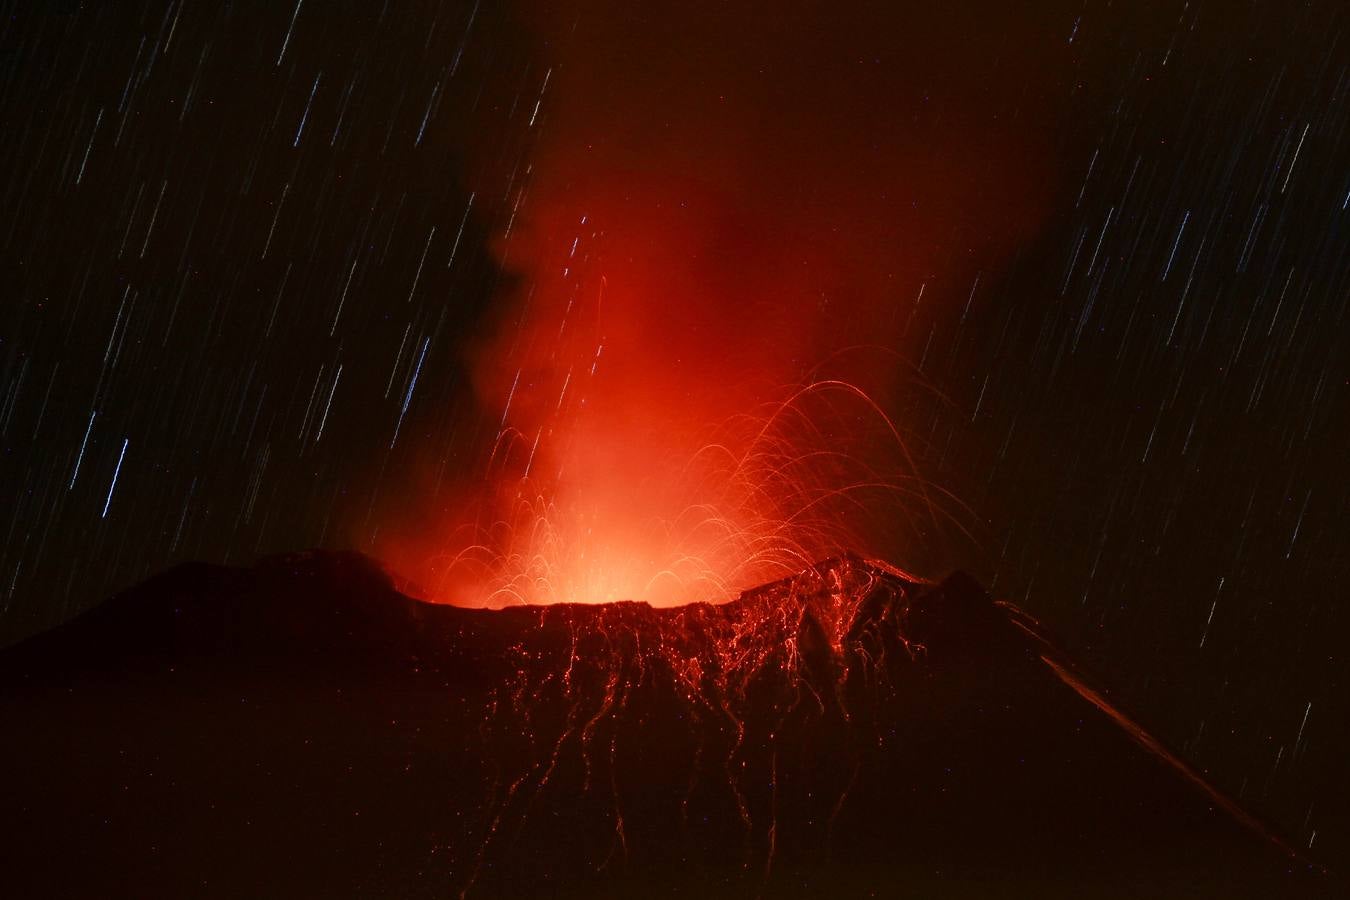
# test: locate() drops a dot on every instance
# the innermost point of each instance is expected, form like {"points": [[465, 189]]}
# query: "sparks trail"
{"points": [[746, 679], [660, 424], [774, 492]]}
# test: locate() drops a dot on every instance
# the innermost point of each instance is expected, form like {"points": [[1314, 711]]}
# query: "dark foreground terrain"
{"points": [[301, 729]]}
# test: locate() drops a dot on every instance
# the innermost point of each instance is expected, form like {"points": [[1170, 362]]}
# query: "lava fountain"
{"points": [[696, 228], [770, 497], [642, 455]]}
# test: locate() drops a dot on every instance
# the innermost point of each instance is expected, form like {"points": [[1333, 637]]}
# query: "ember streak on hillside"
{"points": [[684, 304], [846, 732]]}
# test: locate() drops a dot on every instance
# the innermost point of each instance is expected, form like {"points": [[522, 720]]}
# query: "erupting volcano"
{"points": [[300, 728], [551, 425]]}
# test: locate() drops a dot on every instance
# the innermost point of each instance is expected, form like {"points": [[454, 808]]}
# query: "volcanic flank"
{"points": [[301, 728]]}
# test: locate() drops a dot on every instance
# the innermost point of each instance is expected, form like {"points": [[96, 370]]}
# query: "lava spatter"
{"points": [[812, 647]]}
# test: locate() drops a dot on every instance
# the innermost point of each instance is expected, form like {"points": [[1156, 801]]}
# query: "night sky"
{"points": [[255, 255]]}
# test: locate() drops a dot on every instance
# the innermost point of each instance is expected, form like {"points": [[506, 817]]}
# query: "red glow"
{"points": [[702, 229], [841, 616]]}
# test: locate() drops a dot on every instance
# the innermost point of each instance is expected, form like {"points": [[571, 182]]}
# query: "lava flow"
{"points": [[849, 731], [744, 678]]}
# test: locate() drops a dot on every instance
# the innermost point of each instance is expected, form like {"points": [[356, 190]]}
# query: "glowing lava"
{"points": [[697, 228], [847, 732], [646, 447], [743, 678], [763, 502]]}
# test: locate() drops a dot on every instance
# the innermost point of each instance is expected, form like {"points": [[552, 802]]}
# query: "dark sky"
{"points": [[253, 256]]}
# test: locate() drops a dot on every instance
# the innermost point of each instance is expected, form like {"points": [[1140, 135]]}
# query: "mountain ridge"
{"points": [[761, 745]]}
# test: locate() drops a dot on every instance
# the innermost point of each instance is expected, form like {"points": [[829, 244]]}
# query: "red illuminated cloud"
{"points": [[718, 201]]}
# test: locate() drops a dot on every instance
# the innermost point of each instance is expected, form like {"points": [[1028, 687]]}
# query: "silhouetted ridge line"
{"points": [[849, 730]]}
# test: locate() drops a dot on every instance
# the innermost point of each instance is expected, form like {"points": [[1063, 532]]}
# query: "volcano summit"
{"points": [[301, 728]]}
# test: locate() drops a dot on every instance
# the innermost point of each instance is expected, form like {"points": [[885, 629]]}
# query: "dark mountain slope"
{"points": [[301, 729]]}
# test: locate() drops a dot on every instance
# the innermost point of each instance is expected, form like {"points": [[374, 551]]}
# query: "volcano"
{"points": [[300, 728]]}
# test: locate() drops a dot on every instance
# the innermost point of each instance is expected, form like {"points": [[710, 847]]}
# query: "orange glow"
{"points": [[646, 448], [725, 518], [708, 249]]}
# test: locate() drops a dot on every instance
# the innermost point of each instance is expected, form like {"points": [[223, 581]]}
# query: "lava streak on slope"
{"points": [[849, 731], [747, 687]]}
